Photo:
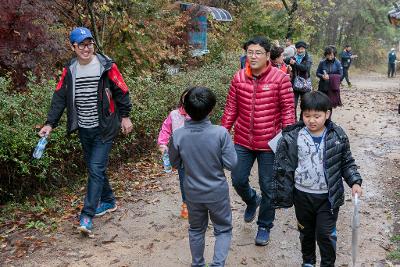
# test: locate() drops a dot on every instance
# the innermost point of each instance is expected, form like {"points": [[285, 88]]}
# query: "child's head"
{"points": [[315, 108], [199, 102]]}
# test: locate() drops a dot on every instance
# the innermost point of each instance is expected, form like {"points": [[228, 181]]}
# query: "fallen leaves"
{"points": [[130, 182]]}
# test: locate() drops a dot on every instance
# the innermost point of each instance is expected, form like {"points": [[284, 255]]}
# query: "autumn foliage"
{"points": [[29, 39]]}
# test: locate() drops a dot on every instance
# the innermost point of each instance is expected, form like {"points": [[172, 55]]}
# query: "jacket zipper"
{"points": [[325, 174], [255, 84]]}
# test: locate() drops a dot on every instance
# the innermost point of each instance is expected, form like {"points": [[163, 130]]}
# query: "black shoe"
{"points": [[262, 237], [250, 212]]}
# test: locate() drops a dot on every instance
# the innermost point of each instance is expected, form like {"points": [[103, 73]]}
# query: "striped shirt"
{"points": [[86, 83]]}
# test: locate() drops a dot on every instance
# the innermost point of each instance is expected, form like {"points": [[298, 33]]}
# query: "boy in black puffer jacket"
{"points": [[312, 157]]}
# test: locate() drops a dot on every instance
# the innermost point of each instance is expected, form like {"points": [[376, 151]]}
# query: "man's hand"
{"points": [[356, 188], [45, 131], [292, 61], [325, 77], [126, 125]]}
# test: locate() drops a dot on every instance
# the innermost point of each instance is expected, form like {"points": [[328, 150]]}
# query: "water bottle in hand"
{"points": [[166, 162], [39, 149]]}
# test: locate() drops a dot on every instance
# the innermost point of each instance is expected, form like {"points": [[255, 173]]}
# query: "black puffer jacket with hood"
{"points": [[338, 163]]}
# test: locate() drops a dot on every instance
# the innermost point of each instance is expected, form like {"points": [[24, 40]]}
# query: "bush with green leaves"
{"points": [[23, 113]]}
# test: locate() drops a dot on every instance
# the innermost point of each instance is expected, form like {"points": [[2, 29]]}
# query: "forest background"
{"points": [[146, 38]]}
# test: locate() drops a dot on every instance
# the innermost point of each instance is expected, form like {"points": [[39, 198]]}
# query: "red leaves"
{"points": [[19, 22]]}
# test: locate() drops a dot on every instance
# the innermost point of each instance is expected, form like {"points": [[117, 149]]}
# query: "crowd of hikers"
{"points": [[305, 168]]}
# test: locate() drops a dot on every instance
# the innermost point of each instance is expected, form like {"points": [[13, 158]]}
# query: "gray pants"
{"points": [[221, 217]]}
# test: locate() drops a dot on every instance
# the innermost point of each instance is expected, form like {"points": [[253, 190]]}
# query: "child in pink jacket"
{"points": [[175, 120]]}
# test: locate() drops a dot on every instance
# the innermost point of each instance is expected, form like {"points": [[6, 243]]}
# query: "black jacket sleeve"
{"points": [[58, 102], [349, 167], [306, 66], [320, 72]]}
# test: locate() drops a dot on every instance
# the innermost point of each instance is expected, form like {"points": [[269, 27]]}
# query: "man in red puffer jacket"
{"points": [[260, 104]]}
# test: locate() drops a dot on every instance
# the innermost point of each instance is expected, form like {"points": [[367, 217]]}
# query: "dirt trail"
{"points": [[143, 234]]}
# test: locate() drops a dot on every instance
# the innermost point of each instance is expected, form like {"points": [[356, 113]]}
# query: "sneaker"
{"points": [[350, 85], [105, 207], [250, 212], [262, 237], [85, 224], [308, 265], [184, 211]]}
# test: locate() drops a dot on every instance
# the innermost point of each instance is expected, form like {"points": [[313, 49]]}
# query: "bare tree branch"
{"points": [[286, 5]]}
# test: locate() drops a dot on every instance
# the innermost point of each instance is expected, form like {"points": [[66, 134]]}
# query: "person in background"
{"points": [[301, 66], [175, 120], [346, 60], [290, 49], [392, 63], [97, 100], [205, 150], [329, 72], [277, 59], [243, 58]]}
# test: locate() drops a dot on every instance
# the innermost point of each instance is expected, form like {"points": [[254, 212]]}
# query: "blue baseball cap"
{"points": [[79, 34]]}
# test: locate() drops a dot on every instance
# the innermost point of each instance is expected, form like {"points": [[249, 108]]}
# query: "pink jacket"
{"points": [[175, 120]]}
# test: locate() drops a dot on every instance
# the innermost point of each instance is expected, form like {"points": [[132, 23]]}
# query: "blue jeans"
{"points": [[96, 157], [240, 180], [181, 173]]}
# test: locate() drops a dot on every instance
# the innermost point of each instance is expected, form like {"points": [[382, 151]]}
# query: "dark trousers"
{"points": [[96, 157], [297, 98], [240, 181], [316, 223], [391, 69], [221, 216], [345, 75], [181, 173]]}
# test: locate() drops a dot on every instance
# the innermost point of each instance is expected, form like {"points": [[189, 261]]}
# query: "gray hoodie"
{"points": [[204, 150]]}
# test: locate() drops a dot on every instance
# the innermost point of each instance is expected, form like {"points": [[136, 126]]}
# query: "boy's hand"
{"points": [[162, 148], [356, 188]]}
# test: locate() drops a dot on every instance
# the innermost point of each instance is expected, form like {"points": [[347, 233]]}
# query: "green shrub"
{"points": [[21, 115]]}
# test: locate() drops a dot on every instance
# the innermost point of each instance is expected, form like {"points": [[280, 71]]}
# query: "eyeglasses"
{"points": [[256, 53], [82, 46]]}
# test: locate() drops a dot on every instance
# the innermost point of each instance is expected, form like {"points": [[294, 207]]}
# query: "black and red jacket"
{"points": [[113, 101]]}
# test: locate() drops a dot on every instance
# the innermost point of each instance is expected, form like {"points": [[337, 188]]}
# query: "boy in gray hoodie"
{"points": [[205, 150]]}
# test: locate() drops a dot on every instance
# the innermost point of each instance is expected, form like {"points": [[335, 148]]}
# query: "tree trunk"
{"points": [[291, 12], [89, 4]]}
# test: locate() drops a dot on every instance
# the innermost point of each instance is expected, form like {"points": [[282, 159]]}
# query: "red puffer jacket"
{"points": [[259, 107]]}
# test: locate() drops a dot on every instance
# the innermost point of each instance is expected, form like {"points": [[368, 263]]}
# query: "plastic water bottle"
{"points": [[166, 162], [39, 149]]}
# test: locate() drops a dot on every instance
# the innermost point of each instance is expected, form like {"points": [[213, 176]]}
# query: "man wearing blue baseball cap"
{"points": [[97, 100]]}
